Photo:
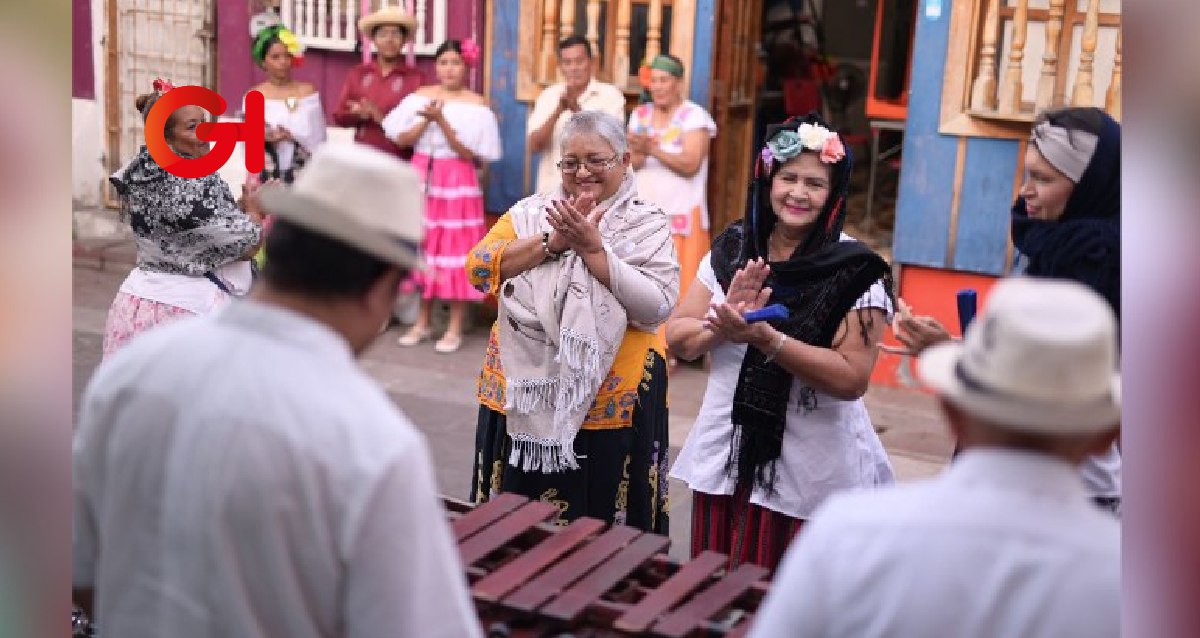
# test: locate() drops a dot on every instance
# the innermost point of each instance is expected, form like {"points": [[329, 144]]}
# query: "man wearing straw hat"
{"points": [[241, 475], [1006, 542], [372, 89]]}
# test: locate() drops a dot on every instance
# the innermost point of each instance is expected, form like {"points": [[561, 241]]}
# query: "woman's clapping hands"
{"points": [[746, 293], [576, 224]]}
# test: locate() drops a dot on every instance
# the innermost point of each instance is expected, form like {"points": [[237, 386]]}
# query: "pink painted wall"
{"points": [[83, 77], [236, 71]]}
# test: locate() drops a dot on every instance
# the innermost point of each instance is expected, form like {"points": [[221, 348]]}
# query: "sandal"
{"points": [[448, 343], [414, 336]]}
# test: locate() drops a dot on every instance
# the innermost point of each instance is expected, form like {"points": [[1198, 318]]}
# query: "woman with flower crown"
{"points": [[453, 133], [783, 424], [292, 109]]}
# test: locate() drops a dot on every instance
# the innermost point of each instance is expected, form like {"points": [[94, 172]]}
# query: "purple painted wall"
{"points": [[236, 71], [83, 75]]}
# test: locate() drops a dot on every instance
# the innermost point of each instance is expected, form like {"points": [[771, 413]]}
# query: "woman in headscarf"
{"points": [[454, 133], [573, 393], [292, 109], [194, 242], [783, 424], [669, 138], [1066, 224]]}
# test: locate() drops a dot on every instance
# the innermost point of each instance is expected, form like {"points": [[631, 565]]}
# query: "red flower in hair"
{"points": [[470, 52], [644, 76], [162, 86]]}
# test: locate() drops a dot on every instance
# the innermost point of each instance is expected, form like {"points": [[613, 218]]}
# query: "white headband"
{"points": [[1068, 151]]}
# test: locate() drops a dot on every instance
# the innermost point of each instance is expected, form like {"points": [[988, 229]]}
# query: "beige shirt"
{"points": [[598, 96]]}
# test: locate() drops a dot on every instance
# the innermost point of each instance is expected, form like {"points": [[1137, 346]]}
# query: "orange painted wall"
{"points": [[933, 292]]}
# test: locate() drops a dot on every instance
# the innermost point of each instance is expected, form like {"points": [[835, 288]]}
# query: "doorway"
{"points": [[148, 39]]}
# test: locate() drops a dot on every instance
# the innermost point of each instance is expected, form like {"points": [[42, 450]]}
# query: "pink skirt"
{"points": [[131, 315], [454, 223]]}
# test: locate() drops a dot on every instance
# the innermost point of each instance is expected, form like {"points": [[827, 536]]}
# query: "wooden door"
{"points": [[735, 92], [147, 39]]}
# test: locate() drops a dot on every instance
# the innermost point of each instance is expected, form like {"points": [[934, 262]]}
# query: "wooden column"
{"points": [[593, 29], [547, 61], [983, 90], [1112, 101], [1049, 77], [1083, 94], [567, 22], [653, 30], [620, 56], [1010, 96]]}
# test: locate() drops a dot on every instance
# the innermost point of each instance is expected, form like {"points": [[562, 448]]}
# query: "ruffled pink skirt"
{"points": [[454, 223]]}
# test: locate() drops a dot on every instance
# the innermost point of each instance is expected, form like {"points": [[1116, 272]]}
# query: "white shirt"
{"points": [[302, 117], [834, 447], [474, 125], [238, 474], [596, 96], [194, 294], [676, 194], [1002, 544]]}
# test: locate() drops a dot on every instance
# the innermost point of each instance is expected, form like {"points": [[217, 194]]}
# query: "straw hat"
{"points": [[359, 195], [387, 15], [1041, 358]]}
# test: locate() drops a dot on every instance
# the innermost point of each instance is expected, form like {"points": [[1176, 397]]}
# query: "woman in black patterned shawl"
{"points": [[193, 239]]}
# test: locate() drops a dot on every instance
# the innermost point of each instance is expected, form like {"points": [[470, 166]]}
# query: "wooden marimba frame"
{"points": [[529, 577]]}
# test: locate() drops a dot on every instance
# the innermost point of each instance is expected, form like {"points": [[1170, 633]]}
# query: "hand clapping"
{"points": [[746, 293], [432, 111], [640, 143], [576, 224]]}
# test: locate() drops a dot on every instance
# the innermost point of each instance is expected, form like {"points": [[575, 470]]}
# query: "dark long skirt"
{"points": [[746, 532], [622, 476]]}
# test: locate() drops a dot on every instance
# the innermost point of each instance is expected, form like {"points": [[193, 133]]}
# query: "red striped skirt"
{"points": [[748, 533]]}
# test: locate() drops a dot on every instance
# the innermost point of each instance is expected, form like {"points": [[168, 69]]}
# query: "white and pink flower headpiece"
{"points": [[787, 144]]}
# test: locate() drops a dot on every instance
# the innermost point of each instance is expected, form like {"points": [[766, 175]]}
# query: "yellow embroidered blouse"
{"points": [[614, 403]]}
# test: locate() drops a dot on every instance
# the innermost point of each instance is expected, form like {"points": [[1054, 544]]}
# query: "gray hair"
{"points": [[608, 127]]}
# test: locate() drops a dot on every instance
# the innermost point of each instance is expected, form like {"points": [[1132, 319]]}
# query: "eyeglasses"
{"points": [[571, 165]]}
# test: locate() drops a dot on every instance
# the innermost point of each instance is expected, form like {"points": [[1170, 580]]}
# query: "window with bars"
{"points": [[1012, 59], [333, 24]]}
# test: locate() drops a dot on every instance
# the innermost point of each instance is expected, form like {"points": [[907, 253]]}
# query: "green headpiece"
{"points": [[277, 31], [668, 64]]}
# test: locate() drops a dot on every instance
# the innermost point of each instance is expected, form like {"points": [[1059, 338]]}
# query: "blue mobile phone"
{"points": [[772, 312]]}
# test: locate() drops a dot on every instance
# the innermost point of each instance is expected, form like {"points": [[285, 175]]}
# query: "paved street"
{"points": [[437, 391]]}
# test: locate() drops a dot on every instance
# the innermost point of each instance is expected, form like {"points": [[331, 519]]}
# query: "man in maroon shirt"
{"points": [[373, 89]]}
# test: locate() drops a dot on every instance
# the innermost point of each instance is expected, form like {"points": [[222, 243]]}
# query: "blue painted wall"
{"points": [[928, 167], [702, 53], [506, 180], [983, 213]]}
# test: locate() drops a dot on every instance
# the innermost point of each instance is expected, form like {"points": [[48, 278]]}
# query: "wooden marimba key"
{"points": [[529, 577]]}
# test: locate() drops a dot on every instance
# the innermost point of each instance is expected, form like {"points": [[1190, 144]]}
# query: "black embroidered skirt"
{"points": [[622, 476]]}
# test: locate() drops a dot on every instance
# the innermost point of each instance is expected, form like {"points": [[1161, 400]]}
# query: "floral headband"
{"points": [[788, 144], [285, 36]]}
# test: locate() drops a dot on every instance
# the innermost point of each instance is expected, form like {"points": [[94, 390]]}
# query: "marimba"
{"points": [[530, 578]]}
